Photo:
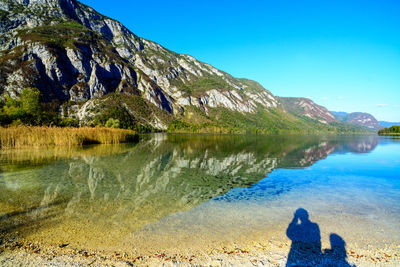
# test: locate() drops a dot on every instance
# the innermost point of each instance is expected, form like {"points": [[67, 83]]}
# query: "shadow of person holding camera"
{"points": [[306, 240], [306, 244]]}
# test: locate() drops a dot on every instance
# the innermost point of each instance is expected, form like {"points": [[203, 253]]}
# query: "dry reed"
{"points": [[28, 136]]}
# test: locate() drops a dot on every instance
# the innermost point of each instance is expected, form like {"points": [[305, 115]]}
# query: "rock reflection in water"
{"points": [[120, 192]]}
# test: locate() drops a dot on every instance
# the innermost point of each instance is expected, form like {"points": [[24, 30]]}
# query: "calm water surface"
{"points": [[177, 192]]}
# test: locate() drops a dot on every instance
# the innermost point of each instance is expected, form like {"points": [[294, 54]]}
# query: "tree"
{"points": [[30, 101], [112, 123], [391, 130], [26, 109]]}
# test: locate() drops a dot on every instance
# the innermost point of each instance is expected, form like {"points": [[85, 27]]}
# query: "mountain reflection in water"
{"points": [[123, 188]]}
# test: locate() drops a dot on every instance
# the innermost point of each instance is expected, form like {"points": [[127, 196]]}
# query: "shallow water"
{"points": [[181, 193]]}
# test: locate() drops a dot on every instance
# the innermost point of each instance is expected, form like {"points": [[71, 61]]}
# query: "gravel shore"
{"points": [[271, 253]]}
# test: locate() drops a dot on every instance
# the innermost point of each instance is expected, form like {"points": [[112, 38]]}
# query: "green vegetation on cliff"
{"points": [[81, 68], [273, 120], [134, 113]]}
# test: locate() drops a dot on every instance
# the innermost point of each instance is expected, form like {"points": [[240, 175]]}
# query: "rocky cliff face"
{"points": [[358, 118], [306, 107], [75, 55]]}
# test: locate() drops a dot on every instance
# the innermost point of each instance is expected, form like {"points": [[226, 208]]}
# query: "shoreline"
{"points": [[392, 134], [269, 253], [17, 137]]}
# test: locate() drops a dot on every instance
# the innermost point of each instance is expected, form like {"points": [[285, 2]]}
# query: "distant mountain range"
{"points": [[92, 68], [362, 119], [300, 106], [358, 118]]}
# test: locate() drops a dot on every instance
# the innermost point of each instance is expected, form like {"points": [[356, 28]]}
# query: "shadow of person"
{"points": [[306, 240], [337, 255]]}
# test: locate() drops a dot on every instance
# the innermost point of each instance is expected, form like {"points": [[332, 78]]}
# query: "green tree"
{"points": [[112, 123], [388, 131], [26, 109], [12, 108], [30, 101]]}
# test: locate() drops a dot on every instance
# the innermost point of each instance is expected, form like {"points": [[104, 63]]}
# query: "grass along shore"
{"points": [[31, 136], [389, 134]]}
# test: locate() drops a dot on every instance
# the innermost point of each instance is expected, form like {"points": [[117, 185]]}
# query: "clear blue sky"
{"points": [[342, 54]]}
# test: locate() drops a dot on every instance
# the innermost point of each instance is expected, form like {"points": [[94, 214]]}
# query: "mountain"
{"points": [[339, 115], [306, 107], [388, 124], [90, 68], [358, 118]]}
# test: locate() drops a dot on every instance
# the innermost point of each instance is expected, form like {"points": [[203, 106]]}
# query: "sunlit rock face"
{"points": [[358, 118], [306, 107], [72, 53]]}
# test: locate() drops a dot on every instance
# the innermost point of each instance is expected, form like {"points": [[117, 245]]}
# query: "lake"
{"points": [[205, 200]]}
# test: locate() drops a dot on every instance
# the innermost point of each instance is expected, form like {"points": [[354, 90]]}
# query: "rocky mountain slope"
{"points": [[92, 68], [307, 108], [358, 118]]}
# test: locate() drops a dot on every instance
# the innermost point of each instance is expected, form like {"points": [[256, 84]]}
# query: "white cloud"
{"points": [[324, 98], [382, 105], [340, 97]]}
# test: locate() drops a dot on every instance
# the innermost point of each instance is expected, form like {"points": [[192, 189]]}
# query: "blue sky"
{"points": [[344, 55]]}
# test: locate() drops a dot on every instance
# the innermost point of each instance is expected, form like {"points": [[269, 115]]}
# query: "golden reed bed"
{"points": [[29, 136]]}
